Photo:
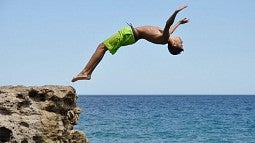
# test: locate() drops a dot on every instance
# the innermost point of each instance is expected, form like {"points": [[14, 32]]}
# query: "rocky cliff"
{"points": [[44, 114]]}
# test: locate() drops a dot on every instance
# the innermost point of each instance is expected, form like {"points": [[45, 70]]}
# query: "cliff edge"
{"points": [[39, 114]]}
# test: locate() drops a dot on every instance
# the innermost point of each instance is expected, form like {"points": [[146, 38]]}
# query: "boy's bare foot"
{"points": [[81, 77]]}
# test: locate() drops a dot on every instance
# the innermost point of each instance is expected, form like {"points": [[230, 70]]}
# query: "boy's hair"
{"points": [[174, 50]]}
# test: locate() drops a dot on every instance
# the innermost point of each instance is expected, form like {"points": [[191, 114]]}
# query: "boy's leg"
{"points": [[98, 55]]}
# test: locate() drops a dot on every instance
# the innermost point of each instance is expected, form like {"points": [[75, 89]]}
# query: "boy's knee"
{"points": [[102, 47]]}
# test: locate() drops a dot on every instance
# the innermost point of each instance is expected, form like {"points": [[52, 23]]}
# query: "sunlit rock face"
{"points": [[39, 114]]}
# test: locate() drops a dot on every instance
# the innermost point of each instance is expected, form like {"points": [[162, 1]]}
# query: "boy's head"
{"points": [[175, 46]]}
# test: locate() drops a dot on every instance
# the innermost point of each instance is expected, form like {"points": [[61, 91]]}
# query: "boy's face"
{"points": [[175, 41]]}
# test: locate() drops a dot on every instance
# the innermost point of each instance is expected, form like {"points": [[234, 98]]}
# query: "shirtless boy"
{"points": [[129, 35]]}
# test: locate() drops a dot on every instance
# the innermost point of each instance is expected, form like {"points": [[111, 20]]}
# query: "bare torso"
{"points": [[152, 34]]}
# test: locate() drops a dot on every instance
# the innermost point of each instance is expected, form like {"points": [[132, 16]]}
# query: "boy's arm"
{"points": [[183, 21], [170, 21]]}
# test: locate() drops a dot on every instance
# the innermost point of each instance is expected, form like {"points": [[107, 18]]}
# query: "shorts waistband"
{"points": [[133, 30]]}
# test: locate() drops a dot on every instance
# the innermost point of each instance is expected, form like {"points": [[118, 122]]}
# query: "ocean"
{"points": [[167, 119]]}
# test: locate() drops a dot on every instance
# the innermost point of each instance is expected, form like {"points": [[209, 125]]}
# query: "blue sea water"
{"points": [[168, 119]]}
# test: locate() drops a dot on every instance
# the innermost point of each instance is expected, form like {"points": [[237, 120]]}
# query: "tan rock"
{"points": [[39, 114]]}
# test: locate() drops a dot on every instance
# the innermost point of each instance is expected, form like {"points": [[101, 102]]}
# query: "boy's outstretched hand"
{"points": [[184, 20], [181, 8]]}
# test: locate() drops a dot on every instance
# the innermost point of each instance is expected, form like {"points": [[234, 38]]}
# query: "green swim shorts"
{"points": [[123, 37]]}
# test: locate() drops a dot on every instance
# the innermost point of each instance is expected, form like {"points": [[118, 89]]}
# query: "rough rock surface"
{"points": [[44, 114]]}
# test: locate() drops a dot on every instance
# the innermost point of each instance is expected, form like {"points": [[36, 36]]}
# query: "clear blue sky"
{"points": [[48, 42]]}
